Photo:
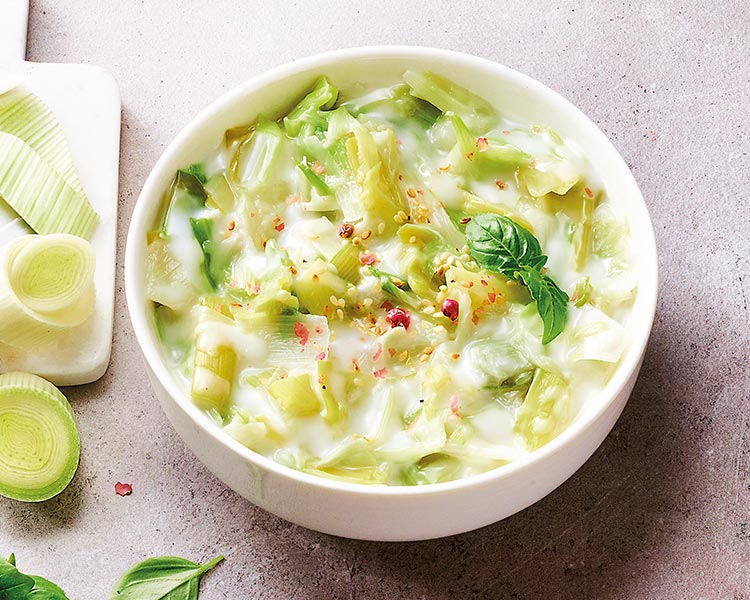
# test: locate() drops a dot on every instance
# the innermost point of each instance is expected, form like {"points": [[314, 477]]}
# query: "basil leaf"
{"points": [[551, 302], [501, 245], [14, 585], [162, 578]]}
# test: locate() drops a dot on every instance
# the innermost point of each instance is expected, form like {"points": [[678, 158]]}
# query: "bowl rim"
{"points": [[648, 279]]}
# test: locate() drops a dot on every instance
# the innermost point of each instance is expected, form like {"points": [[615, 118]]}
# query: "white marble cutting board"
{"points": [[86, 101]]}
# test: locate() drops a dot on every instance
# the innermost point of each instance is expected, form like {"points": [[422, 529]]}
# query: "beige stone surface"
{"points": [[660, 511]]}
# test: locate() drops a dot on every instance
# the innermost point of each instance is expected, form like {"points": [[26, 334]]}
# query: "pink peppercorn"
{"points": [[450, 308], [398, 317]]}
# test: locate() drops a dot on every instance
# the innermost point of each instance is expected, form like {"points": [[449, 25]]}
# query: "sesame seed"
{"points": [[381, 228], [413, 239], [366, 234], [340, 314], [333, 300], [429, 350], [424, 358], [428, 310], [403, 356]]}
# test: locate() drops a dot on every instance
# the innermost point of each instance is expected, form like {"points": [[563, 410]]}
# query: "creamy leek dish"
{"points": [[400, 285]]}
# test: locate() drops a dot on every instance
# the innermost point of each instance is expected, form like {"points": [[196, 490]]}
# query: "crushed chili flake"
{"points": [[500, 184], [318, 330], [302, 332], [321, 356], [506, 132], [411, 193], [445, 167], [400, 177], [492, 296], [380, 373], [279, 227], [237, 304], [317, 168], [484, 282], [464, 220], [470, 155], [378, 353], [454, 405], [475, 317], [123, 489], [482, 143], [231, 225], [387, 304], [588, 191], [574, 296], [233, 283], [367, 258], [392, 352]]}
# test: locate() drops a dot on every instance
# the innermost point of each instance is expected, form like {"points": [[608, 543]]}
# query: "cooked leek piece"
{"points": [[214, 365], [166, 280], [374, 159], [347, 263], [295, 394], [333, 409], [315, 180], [306, 116], [46, 288], [26, 117], [220, 194], [449, 96], [315, 286], [545, 411], [256, 157], [395, 287], [39, 445], [39, 194]]}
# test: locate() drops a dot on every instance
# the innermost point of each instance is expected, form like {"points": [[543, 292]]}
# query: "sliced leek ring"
{"points": [[46, 287], [39, 442]]}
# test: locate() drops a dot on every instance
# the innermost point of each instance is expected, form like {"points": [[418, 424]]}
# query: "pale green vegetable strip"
{"points": [[545, 411], [28, 118], [39, 445], [46, 287], [295, 395], [39, 194], [214, 364], [347, 263], [448, 96]]}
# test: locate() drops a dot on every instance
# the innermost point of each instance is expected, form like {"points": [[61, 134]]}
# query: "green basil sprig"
{"points": [[15, 585], [162, 578], [501, 245]]}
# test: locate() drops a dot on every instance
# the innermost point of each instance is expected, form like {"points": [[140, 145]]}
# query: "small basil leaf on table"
{"points": [[162, 578], [501, 245], [15, 585]]}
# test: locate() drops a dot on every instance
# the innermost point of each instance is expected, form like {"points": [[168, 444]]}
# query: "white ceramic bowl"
{"points": [[393, 513]]}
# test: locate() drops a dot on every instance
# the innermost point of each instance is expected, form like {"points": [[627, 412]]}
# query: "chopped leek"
{"points": [[39, 445], [46, 288], [39, 194]]}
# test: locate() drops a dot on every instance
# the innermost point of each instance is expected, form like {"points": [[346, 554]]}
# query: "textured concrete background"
{"points": [[660, 511]]}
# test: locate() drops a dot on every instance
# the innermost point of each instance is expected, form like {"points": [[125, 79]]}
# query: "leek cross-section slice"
{"points": [[39, 194], [46, 287], [39, 443]]}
